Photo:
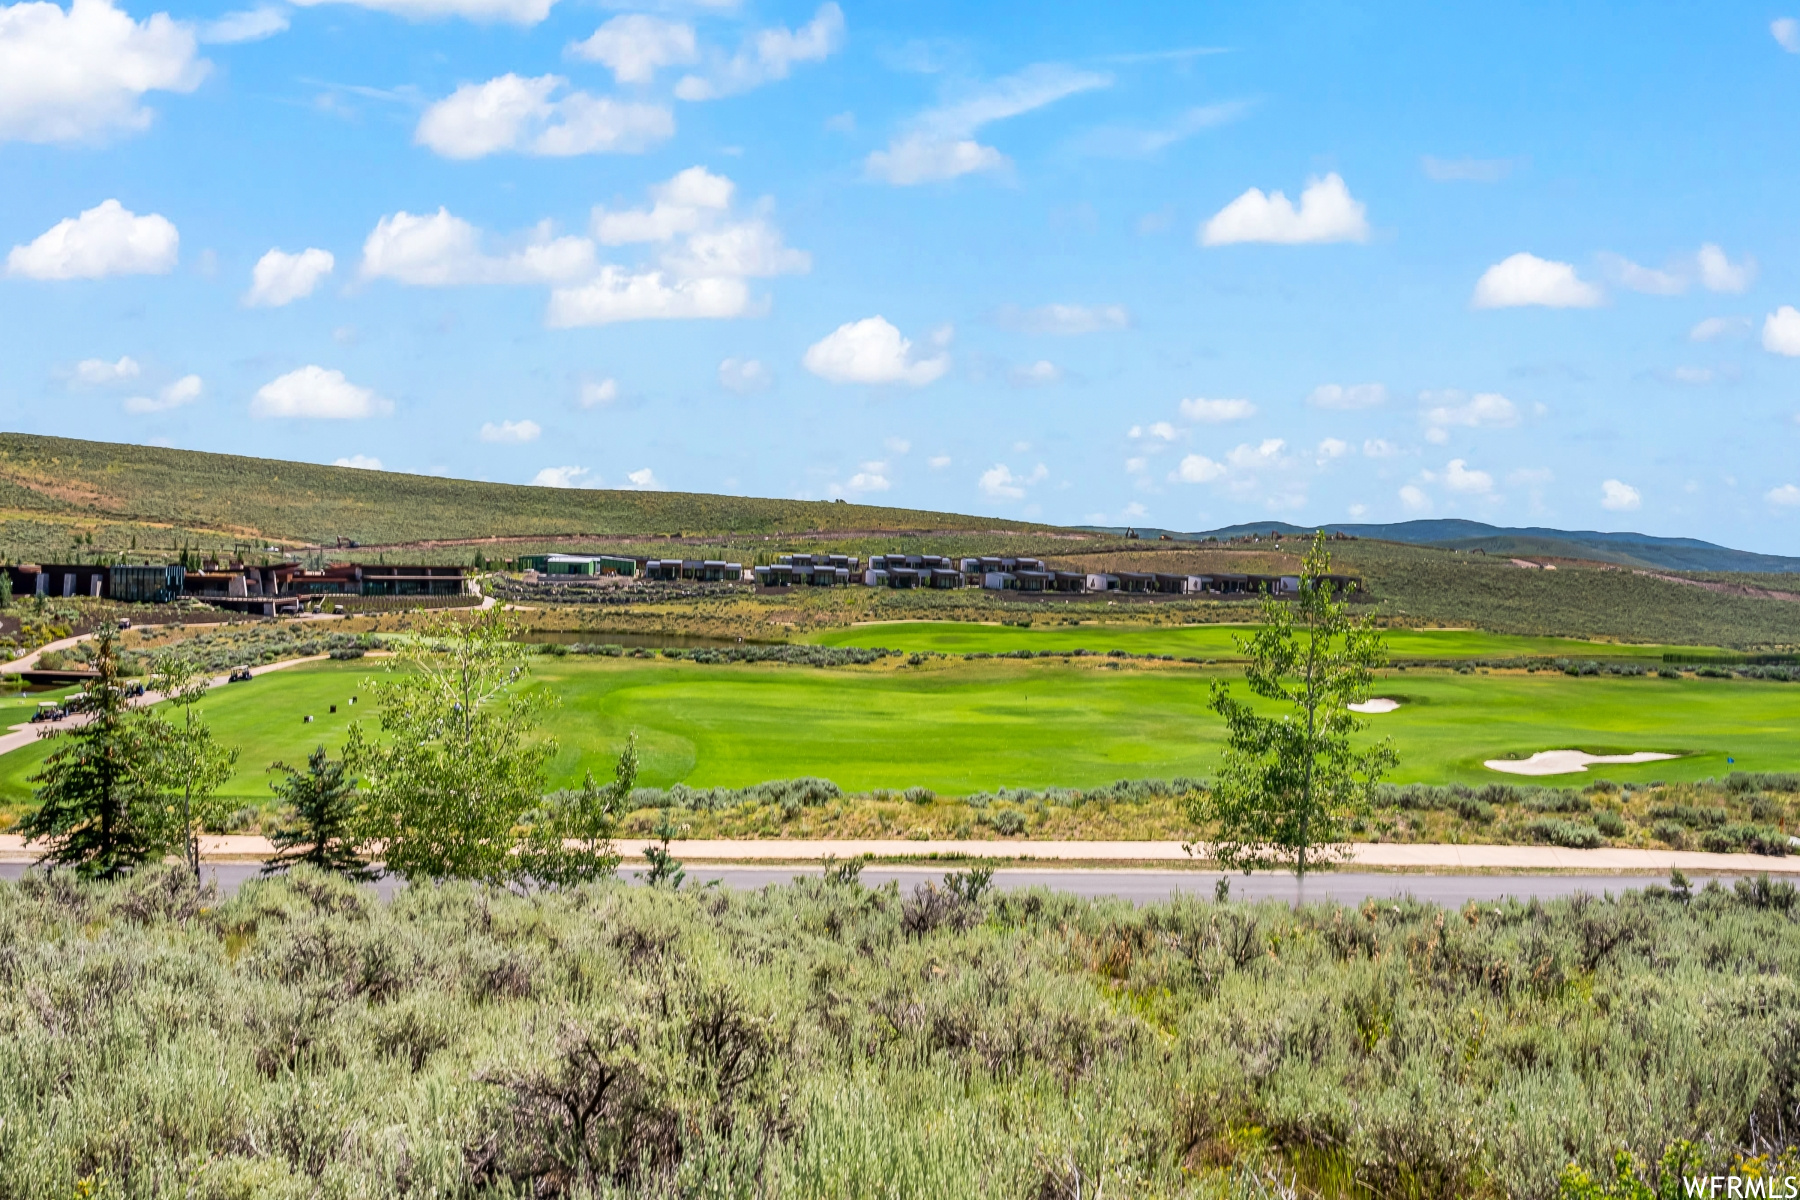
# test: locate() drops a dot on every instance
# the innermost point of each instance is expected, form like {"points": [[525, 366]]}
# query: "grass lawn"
{"points": [[1207, 641], [959, 727]]}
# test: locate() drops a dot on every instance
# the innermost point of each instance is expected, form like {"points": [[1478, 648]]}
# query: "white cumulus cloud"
{"points": [[441, 250], [1786, 32], [314, 391], [79, 74], [598, 393], [702, 257], [642, 480], [999, 481], [362, 462], [564, 477], [1452, 409], [635, 46], [1458, 476], [694, 198], [1619, 497], [280, 278], [185, 390], [1785, 496], [1719, 274], [1415, 499], [1327, 213], [871, 477], [517, 114], [1197, 468], [768, 55], [916, 159], [871, 351], [1213, 412], [745, 375], [1710, 265], [1781, 331], [97, 372], [617, 294], [511, 433], [752, 248], [1525, 279], [108, 239]]}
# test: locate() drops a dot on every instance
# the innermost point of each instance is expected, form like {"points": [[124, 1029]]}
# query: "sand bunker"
{"points": [[1566, 762], [1378, 704]]}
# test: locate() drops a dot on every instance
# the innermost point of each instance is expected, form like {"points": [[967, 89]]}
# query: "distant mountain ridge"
{"points": [[1627, 549]]}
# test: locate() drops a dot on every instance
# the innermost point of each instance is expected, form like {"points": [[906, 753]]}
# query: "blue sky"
{"points": [[1180, 265]]}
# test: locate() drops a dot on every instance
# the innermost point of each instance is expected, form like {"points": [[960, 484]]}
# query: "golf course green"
{"points": [[960, 727], [1218, 642]]}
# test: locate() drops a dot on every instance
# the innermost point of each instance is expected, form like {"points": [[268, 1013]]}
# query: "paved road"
{"points": [[1138, 887]]}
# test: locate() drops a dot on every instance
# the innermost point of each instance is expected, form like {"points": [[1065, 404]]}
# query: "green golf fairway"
{"points": [[1207, 641], [960, 727]]}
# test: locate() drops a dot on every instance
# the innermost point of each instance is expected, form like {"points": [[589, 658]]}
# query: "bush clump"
{"points": [[1571, 835], [1745, 839], [826, 1038]]}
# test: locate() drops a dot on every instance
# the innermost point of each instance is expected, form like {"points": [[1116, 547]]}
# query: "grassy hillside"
{"points": [[1626, 549], [53, 490]]}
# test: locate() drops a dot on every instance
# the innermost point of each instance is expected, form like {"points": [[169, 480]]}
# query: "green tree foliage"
{"points": [[570, 841], [320, 805], [1289, 785], [189, 762], [100, 806], [458, 766]]}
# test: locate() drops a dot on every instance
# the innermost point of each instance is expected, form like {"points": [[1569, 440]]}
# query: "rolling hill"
{"points": [[1626, 549], [56, 490]]}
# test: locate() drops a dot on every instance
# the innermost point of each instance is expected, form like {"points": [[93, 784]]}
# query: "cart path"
{"points": [[1135, 886], [1430, 858]]}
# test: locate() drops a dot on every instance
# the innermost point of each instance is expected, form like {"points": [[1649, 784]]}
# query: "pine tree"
{"points": [[99, 807], [321, 807]]}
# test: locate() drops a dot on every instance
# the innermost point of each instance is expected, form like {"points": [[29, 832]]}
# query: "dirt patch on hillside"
{"points": [[1725, 589]]}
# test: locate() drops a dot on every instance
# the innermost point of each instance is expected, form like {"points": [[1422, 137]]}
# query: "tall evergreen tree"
{"points": [[320, 810], [100, 809]]}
